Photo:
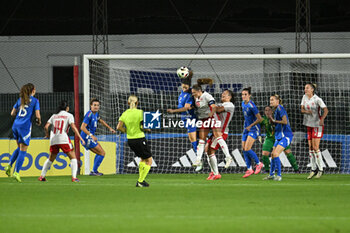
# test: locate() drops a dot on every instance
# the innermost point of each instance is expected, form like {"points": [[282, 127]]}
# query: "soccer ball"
{"points": [[183, 72]]}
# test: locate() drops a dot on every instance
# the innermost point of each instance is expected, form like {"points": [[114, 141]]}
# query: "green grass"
{"points": [[176, 203]]}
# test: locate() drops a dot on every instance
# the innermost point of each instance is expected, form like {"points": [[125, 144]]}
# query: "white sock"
{"points": [[214, 164], [224, 147], [312, 160], [200, 149], [208, 159], [46, 167], [318, 160], [74, 167]]}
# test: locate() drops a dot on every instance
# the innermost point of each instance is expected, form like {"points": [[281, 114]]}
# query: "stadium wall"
{"points": [[31, 58]]}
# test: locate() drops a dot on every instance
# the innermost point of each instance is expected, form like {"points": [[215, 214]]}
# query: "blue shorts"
{"points": [[22, 135], [254, 134], [284, 142], [89, 143]]}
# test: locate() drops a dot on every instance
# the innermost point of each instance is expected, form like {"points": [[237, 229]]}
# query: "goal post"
{"points": [[152, 77]]}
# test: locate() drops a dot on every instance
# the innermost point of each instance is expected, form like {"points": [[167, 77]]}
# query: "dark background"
{"points": [[74, 17]]}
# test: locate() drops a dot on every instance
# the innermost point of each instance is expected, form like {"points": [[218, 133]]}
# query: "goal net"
{"points": [[112, 78]]}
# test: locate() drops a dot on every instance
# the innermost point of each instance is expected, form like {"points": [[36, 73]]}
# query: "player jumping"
{"points": [[225, 111]]}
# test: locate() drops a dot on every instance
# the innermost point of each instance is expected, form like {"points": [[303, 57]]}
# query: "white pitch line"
{"points": [[123, 215], [263, 183]]}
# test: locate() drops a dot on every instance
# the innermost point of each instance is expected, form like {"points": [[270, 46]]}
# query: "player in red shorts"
{"points": [[225, 111], [59, 139], [206, 114], [311, 106]]}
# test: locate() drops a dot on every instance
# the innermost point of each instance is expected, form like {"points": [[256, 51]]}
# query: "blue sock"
{"points": [[14, 156], [253, 156], [97, 162], [278, 165], [272, 167], [20, 160], [194, 145], [247, 159]]}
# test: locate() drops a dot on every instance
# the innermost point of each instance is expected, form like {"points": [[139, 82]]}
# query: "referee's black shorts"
{"points": [[140, 147]]}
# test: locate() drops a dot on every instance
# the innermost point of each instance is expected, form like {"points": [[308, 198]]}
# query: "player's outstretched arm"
{"points": [[106, 125], [76, 131], [184, 109]]}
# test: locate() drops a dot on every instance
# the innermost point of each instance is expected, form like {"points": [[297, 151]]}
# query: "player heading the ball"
{"points": [[186, 104]]}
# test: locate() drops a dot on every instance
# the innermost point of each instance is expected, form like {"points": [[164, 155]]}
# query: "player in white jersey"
{"points": [[225, 111], [311, 106], [206, 114], [59, 139]]}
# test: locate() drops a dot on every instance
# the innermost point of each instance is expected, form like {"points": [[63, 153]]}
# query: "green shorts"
{"points": [[268, 145]]}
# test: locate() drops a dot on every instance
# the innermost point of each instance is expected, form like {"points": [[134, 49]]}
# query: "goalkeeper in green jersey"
{"points": [[270, 140]]}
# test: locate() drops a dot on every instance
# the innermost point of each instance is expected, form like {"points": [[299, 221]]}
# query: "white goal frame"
{"points": [[87, 57]]}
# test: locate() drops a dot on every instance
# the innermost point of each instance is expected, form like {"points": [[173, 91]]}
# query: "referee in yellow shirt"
{"points": [[133, 120]]}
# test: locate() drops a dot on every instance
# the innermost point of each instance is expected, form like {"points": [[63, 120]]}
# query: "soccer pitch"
{"points": [[176, 203]]}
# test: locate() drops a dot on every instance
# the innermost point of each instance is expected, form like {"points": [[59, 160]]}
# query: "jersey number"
{"points": [[23, 111], [58, 127]]}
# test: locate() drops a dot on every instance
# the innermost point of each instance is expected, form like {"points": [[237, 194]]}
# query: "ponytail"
{"points": [[25, 93], [132, 101], [203, 81]]}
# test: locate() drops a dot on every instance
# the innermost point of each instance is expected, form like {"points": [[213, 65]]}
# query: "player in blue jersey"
{"points": [[186, 108], [283, 136], [88, 129], [24, 109], [251, 132]]}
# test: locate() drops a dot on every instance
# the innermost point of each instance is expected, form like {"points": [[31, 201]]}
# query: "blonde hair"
{"points": [[278, 98], [132, 101], [313, 86], [25, 93]]}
